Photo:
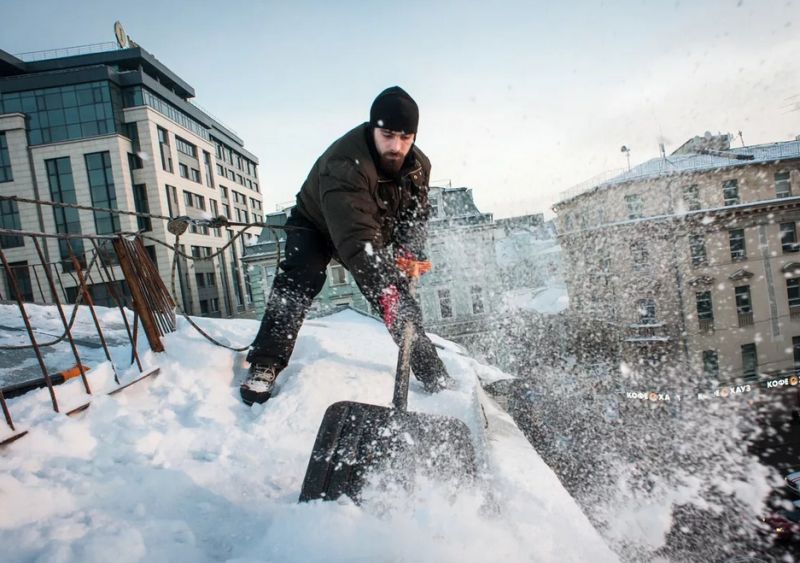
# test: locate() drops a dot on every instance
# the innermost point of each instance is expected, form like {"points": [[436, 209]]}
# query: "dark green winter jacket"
{"points": [[362, 211]]}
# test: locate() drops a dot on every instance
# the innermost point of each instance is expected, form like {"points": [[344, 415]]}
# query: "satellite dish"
{"points": [[122, 39]]}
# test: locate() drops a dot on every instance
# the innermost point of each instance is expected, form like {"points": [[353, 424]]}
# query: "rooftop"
{"points": [[690, 163], [43, 69]]}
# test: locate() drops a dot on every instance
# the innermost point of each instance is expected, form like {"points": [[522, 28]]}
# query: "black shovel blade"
{"points": [[356, 439]]}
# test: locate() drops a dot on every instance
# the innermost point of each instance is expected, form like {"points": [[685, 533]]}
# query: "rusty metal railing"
{"points": [[73, 279]]}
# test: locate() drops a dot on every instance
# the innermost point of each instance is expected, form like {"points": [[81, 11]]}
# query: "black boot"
{"points": [[257, 388]]}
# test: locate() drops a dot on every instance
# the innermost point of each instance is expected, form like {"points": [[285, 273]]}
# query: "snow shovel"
{"points": [[357, 441]]}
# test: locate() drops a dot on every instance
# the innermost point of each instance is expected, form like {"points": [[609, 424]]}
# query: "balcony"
{"points": [[745, 319], [794, 312], [706, 325]]}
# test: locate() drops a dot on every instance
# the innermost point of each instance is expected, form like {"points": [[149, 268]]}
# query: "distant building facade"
{"points": [[460, 295], [116, 129], [261, 260], [693, 258]]}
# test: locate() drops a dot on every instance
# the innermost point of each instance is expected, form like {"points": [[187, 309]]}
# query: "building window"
{"points": [[476, 292], [9, 219], [691, 196], [445, 308], [705, 310], [737, 244], [224, 191], [142, 206], [135, 162], [788, 237], [62, 190], [194, 175], [200, 279], [227, 210], [67, 112], [188, 199], [185, 147], [796, 353], [22, 275], [635, 206], [697, 245], [5, 160], [338, 275], [211, 279], [639, 255], [711, 363], [184, 170], [207, 164], [166, 154], [199, 202], [647, 311], [793, 296], [101, 187], [730, 192], [744, 307], [783, 184], [749, 360], [172, 197]]}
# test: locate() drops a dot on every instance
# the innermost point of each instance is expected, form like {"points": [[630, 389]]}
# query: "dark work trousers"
{"points": [[300, 278]]}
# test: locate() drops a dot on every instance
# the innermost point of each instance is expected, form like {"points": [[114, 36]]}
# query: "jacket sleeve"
{"points": [[351, 214], [411, 231]]}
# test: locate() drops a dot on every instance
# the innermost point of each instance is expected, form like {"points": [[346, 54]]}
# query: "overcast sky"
{"points": [[518, 100]]}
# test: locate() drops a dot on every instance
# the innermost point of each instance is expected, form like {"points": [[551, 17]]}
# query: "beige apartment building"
{"points": [[115, 128], [691, 260]]}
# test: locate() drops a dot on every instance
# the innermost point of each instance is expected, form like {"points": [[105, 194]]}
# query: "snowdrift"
{"points": [[176, 468]]}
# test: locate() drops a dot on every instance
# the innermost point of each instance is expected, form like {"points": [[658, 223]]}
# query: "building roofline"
{"points": [[136, 66], [10, 65], [132, 57], [696, 163]]}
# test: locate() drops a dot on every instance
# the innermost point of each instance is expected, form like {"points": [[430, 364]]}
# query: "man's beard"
{"points": [[392, 165]]}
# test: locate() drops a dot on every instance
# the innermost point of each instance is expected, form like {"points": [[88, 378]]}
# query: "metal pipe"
{"points": [[63, 318], [116, 298], [6, 412], [15, 288]]}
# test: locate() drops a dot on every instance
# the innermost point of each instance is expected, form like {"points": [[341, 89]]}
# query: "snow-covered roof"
{"points": [[677, 164], [684, 163], [178, 469]]}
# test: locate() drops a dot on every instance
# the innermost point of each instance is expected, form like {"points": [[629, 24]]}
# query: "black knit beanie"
{"points": [[395, 110]]}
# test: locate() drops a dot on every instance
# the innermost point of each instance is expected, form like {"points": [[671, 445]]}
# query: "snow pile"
{"points": [[176, 468], [549, 300]]}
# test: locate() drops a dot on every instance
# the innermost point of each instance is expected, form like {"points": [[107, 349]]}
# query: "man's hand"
{"points": [[390, 305], [410, 265]]}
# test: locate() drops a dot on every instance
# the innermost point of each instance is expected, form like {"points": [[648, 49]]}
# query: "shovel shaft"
{"points": [[400, 398]]}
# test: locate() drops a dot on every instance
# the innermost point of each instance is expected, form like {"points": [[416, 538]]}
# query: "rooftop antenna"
{"points": [[627, 152], [740, 137], [663, 151]]}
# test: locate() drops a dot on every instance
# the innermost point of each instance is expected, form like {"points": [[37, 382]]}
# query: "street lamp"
{"points": [[627, 152]]}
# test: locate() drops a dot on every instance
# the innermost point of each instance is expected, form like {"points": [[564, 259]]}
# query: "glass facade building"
{"points": [[67, 112], [62, 190], [5, 160]]}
